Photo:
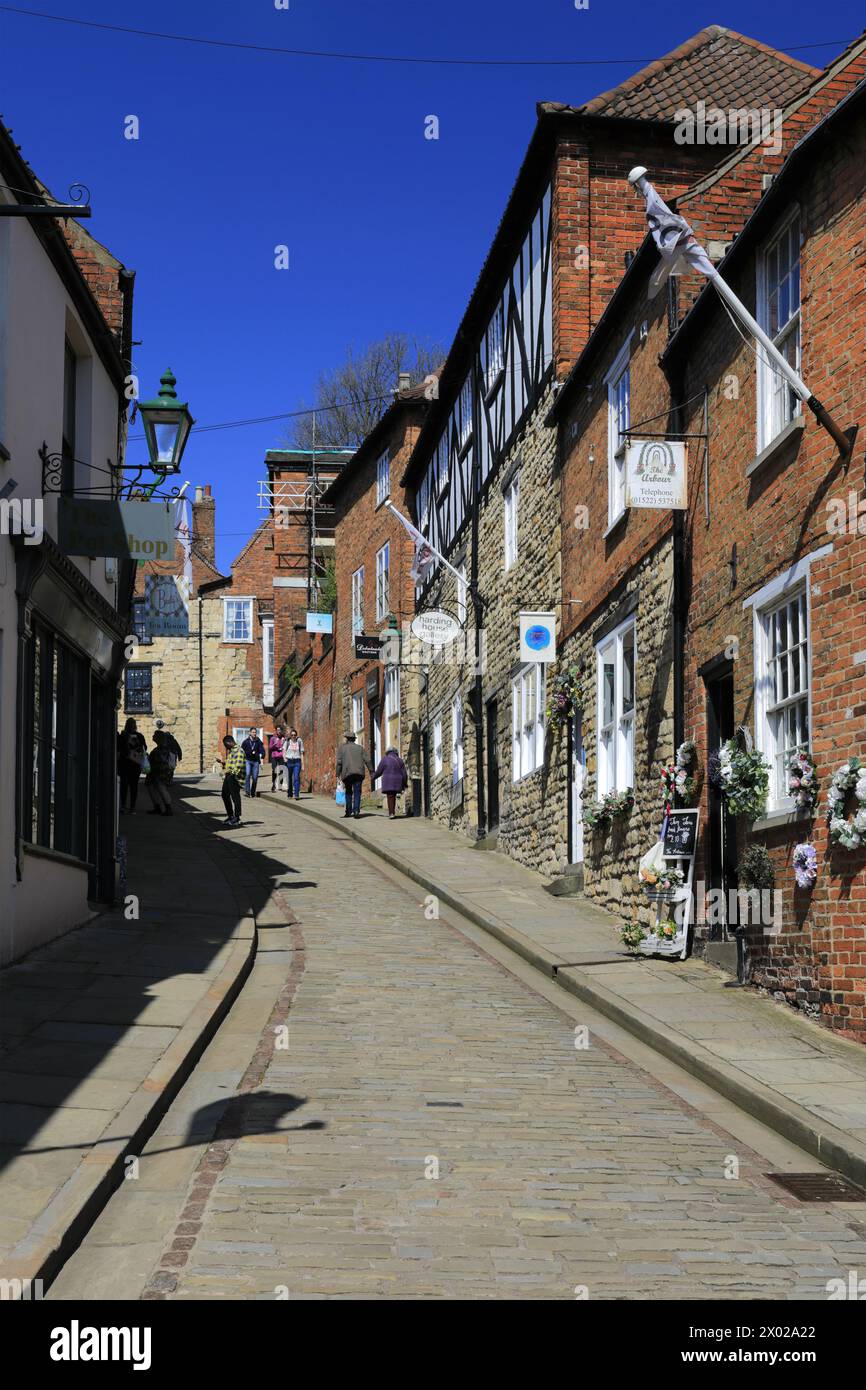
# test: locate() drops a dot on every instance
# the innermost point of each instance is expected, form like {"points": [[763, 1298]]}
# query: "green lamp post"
{"points": [[167, 423]]}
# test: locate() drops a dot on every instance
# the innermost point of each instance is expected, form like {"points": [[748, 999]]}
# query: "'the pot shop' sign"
{"points": [[656, 474]]}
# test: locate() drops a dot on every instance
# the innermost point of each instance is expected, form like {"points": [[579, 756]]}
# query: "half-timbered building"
{"points": [[484, 471]]}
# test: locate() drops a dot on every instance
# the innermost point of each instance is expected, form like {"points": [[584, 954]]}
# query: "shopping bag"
{"points": [[341, 794], [145, 764]]}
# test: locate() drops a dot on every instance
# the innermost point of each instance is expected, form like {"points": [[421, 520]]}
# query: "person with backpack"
{"points": [[253, 751], [233, 766], [293, 752], [277, 759], [395, 778], [131, 756], [352, 763], [159, 778]]}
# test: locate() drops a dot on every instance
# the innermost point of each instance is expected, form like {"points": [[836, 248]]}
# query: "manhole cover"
{"points": [[819, 1187]]}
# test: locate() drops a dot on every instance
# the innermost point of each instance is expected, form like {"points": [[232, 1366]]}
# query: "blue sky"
{"points": [[241, 152]]}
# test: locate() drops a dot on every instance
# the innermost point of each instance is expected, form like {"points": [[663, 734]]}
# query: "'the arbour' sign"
{"points": [[656, 474]]}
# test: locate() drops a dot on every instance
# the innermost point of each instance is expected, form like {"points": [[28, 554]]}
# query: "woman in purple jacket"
{"points": [[395, 778]]}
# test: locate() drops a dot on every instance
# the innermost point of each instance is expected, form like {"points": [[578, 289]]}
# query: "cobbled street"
{"points": [[432, 1130]]}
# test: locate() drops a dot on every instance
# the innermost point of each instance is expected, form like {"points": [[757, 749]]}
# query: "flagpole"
{"points": [[845, 442], [413, 530]]}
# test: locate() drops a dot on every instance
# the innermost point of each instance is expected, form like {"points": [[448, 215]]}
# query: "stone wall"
{"points": [[612, 854], [533, 823]]}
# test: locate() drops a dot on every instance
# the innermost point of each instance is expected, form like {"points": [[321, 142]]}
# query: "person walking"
{"points": [[276, 758], [293, 752], [233, 766], [253, 751], [352, 763], [131, 754], [173, 744], [395, 778], [159, 778]]}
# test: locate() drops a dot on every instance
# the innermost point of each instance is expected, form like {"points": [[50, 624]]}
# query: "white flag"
{"points": [[183, 533], [680, 252], [424, 557]]}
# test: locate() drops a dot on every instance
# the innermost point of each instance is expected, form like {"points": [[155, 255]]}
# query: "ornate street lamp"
{"points": [[167, 423]]}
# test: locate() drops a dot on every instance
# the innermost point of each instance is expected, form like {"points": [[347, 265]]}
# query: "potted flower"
{"points": [[631, 935], [661, 884], [612, 806]]}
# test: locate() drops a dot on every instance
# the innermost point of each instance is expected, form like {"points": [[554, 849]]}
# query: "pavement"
{"points": [[786, 1070], [99, 1029], [398, 1107]]}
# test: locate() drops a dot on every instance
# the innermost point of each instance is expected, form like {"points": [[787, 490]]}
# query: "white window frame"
{"points": [[615, 738], [456, 739], [267, 651], [511, 516], [358, 601], [462, 592], [528, 689], [466, 411], [392, 706], [238, 599], [383, 581], [778, 404], [618, 421], [383, 477], [358, 712], [437, 747], [494, 346]]}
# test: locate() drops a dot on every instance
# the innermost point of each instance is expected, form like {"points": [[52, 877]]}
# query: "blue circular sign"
{"points": [[537, 637]]}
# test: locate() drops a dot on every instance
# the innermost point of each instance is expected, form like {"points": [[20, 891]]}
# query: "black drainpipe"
{"points": [[679, 557], [478, 612]]}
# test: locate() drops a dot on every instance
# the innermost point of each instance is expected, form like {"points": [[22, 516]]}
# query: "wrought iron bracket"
{"points": [[117, 487]]}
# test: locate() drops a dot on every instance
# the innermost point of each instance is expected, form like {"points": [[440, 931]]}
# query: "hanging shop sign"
{"points": [[537, 637], [436, 628], [166, 605], [118, 530], [655, 474], [320, 622], [367, 648]]}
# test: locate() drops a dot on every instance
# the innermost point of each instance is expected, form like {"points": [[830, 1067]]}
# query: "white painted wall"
{"points": [[36, 314]]}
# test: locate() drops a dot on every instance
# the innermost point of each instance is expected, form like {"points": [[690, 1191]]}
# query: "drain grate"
{"points": [[445, 1104], [819, 1187]]}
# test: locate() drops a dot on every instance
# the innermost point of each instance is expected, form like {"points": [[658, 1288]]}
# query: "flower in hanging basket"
{"points": [[681, 778], [803, 781], [566, 695], [744, 779], [805, 863], [613, 805]]}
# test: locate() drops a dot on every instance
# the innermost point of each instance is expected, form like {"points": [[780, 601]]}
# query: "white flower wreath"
{"points": [[844, 830]]}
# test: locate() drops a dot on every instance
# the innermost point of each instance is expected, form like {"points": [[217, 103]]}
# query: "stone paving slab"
{"points": [[101, 1027], [787, 1070]]}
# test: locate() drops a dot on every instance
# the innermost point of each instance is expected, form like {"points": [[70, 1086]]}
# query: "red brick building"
{"points": [[682, 627], [376, 698]]}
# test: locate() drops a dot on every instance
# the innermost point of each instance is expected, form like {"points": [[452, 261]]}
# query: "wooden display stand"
{"points": [[680, 844]]}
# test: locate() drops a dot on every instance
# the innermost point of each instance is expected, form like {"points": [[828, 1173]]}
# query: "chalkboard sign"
{"points": [[681, 833]]}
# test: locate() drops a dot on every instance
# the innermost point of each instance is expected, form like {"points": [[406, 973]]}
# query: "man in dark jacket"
{"points": [[352, 762], [254, 752], [171, 742]]}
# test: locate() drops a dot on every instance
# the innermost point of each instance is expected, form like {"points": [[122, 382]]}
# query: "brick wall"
{"points": [[778, 515]]}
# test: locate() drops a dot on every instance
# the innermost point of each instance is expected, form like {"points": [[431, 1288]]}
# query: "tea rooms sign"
{"points": [[656, 474]]}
